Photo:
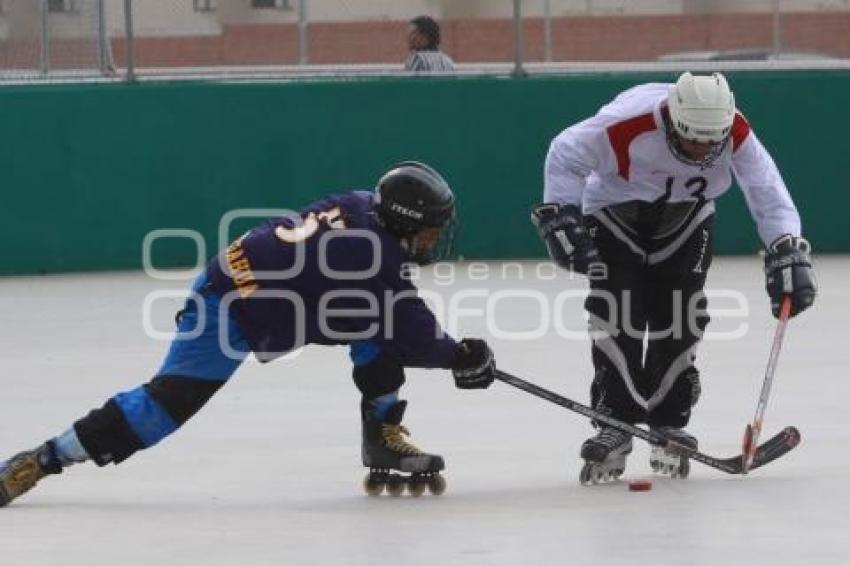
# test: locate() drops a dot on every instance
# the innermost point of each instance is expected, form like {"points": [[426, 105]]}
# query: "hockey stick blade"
{"points": [[779, 445], [774, 448]]}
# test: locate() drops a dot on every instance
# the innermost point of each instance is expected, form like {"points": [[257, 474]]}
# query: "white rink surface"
{"points": [[269, 474]]}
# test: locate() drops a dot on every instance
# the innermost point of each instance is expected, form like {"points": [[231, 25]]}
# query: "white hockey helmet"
{"points": [[702, 107]]}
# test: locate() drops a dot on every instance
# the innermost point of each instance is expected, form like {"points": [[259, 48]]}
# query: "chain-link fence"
{"points": [[687, 30], [54, 37], [128, 38]]}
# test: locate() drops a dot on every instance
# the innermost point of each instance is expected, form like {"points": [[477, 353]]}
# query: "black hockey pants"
{"points": [[652, 294]]}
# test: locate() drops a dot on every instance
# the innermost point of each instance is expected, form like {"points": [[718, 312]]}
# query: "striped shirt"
{"points": [[429, 61]]}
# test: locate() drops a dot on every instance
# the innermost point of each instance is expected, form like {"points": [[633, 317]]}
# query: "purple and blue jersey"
{"points": [[331, 275]]}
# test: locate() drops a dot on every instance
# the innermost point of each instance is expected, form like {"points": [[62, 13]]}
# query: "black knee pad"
{"points": [[381, 376], [106, 435]]}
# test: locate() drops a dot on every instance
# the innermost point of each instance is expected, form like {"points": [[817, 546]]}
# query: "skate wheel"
{"points": [[373, 486], [437, 484], [684, 468], [655, 465], [416, 487], [395, 485]]}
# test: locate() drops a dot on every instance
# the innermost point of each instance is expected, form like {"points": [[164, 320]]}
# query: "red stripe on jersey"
{"points": [[622, 134], [740, 131]]}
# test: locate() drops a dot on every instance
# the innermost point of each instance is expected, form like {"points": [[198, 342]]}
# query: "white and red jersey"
{"points": [[621, 154]]}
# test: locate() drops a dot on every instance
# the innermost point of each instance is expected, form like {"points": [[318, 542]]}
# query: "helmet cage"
{"points": [[674, 143], [441, 249], [406, 215]]}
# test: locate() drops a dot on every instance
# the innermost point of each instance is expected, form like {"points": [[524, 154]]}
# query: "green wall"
{"points": [[88, 170]]}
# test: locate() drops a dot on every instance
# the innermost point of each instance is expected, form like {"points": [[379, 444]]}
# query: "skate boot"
{"points": [[386, 450], [22, 471], [605, 456], [671, 462]]}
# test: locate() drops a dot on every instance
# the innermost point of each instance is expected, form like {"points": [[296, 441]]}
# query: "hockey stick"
{"points": [[777, 446], [752, 432]]}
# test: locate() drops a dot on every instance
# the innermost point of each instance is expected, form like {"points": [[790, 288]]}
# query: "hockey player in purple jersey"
{"points": [[629, 200], [332, 275]]}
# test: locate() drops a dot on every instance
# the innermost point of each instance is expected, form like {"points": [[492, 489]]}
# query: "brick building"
{"points": [[198, 33]]}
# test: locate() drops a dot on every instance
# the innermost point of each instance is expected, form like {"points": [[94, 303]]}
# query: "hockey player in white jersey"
{"points": [[629, 201]]}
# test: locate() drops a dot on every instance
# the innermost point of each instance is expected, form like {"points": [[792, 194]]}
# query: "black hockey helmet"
{"points": [[416, 204]]}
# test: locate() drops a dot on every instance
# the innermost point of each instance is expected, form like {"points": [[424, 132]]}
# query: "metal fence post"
{"points": [[44, 62], [547, 30], [518, 47], [303, 34], [131, 42], [777, 27], [103, 59]]}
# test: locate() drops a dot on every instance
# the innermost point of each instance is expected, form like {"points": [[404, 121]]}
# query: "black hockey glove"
{"points": [[474, 365], [562, 230], [788, 270]]}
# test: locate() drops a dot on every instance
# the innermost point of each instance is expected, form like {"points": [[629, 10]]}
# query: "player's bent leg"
{"points": [[679, 316], [205, 352], [617, 317], [376, 374], [386, 448], [618, 382], [140, 418], [196, 366]]}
